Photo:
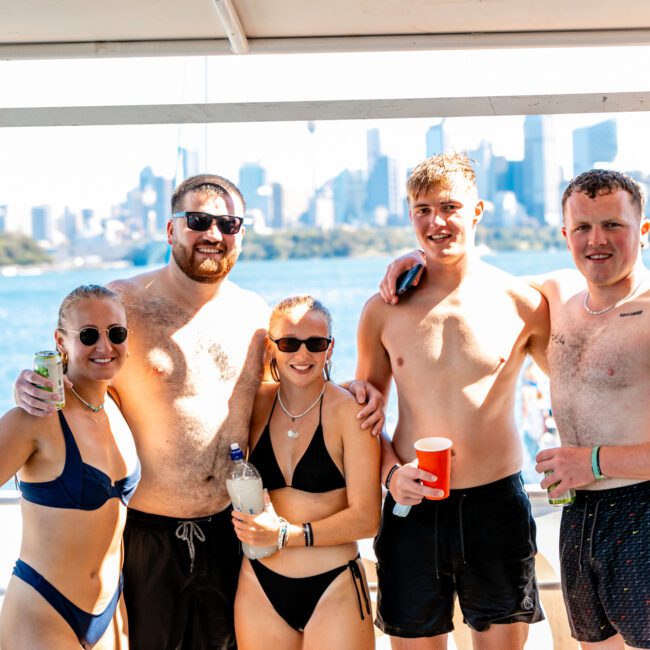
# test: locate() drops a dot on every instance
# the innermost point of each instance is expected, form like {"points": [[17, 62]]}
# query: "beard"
{"points": [[207, 271]]}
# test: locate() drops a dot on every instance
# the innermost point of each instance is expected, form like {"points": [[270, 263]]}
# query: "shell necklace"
{"points": [[292, 433], [598, 312]]}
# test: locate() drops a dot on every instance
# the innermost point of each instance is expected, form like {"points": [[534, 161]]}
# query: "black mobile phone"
{"points": [[405, 281]]}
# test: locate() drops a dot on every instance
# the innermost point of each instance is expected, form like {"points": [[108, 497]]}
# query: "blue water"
{"points": [[29, 304]]}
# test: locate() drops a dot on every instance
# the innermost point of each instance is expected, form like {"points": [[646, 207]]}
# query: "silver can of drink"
{"points": [[564, 499], [48, 364]]}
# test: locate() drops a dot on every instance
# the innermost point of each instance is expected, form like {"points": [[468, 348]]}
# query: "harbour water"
{"points": [[29, 303]]}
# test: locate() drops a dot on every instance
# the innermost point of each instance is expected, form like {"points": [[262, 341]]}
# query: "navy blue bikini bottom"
{"points": [[89, 628]]}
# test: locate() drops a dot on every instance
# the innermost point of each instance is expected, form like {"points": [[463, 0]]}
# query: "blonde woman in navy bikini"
{"points": [[322, 474], [77, 470]]}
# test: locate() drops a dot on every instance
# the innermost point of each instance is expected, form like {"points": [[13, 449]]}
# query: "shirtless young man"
{"points": [[455, 348], [600, 379], [196, 359], [599, 382]]}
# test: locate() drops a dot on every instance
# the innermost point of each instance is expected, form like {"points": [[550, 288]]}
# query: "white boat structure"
{"points": [[67, 29]]}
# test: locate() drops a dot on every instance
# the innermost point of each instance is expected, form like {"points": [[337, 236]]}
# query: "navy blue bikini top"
{"points": [[315, 471], [80, 486]]}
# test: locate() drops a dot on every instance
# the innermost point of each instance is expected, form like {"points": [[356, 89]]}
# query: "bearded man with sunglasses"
{"points": [[187, 390]]}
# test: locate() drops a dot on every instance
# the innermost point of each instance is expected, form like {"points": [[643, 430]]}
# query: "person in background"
{"points": [[187, 391], [454, 349], [77, 470], [322, 474]]}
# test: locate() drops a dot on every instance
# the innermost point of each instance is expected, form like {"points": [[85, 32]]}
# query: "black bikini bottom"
{"points": [[295, 599]]}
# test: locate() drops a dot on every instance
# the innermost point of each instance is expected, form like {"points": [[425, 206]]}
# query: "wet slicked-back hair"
{"points": [[84, 292], [440, 170], [289, 304], [597, 182], [206, 183]]}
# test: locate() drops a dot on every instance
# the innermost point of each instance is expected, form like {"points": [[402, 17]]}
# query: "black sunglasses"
{"points": [[90, 335], [201, 221], [313, 343]]}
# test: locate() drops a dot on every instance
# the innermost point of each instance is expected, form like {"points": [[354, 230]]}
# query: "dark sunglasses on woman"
{"points": [[313, 343], [201, 221], [90, 335]]}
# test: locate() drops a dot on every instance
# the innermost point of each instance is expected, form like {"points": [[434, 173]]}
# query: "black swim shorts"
{"points": [[605, 560], [478, 543], [180, 579]]}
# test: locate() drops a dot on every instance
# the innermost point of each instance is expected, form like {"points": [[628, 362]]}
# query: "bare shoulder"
{"points": [[562, 285], [341, 401], [247, 302], [376, 310], [18, 422]]}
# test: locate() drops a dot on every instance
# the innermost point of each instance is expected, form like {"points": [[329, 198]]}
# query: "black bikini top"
{"points": [[79, 486], [315, 471]]}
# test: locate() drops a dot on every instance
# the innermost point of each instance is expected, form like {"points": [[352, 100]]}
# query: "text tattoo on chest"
{"points": [[631, 313]]}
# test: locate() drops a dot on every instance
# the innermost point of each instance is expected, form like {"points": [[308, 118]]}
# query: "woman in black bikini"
{"points": [[322, 473]]}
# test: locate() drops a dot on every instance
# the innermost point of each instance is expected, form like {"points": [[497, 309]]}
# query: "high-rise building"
{"points": [[594, 144], [348, 190], [373, 143], [541, 172], [252, 178], [70, 224], [484, 169], [3, 218], [42, 223], [437, 140], [276, 216], [383, 195]]}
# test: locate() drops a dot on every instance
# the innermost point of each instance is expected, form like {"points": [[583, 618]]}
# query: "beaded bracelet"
{"points": [[595, 463], [308, 533], [389, 476]]}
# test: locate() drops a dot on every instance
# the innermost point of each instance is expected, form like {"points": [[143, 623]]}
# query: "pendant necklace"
{"points": [[88, 405], [598, 312], [292, 433]]}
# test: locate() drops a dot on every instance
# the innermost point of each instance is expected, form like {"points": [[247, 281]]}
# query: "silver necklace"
{"points": [[598, 312], [292, 433], [88, 405]]}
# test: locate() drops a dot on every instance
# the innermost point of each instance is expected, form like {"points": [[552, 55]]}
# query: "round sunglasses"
{"points": [[201, 221], [90, 335], [291, 344]]}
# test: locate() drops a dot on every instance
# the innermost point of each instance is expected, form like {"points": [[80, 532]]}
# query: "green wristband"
{"points": [[595, 463]]}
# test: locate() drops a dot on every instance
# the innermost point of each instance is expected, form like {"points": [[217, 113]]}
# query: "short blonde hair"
{"points": [[440, 170]]}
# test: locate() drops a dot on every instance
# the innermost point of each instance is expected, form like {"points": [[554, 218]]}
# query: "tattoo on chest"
{"points": [[557, 337], [631, 313]]}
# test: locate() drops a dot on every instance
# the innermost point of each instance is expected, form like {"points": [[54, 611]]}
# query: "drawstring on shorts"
{"points": [[186, 531]]}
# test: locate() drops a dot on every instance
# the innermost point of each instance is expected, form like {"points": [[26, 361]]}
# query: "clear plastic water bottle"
{"points": [[244, 485], [551, 440]]}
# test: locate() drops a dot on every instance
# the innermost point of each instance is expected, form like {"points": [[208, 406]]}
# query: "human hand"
{"points": [[258, 530], [31, 398], [387, 287], [372, 414], [406, 488], [570, 467]]}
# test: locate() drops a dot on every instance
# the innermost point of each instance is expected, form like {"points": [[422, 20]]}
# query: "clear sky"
{"points": [[96, 166]]}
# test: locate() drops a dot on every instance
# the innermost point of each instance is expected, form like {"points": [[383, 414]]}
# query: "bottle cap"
{"points": [[235, 452]]}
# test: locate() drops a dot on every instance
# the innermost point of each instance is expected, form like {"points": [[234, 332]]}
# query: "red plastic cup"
{"points": [[434, 455]]}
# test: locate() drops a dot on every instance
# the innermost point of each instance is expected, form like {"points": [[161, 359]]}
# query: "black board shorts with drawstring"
{"points": [[479, 543], [180, 579]]}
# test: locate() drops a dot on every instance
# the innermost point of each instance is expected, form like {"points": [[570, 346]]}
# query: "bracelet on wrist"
{"points": [[308, 532], [595, 463], [389, 476], [283, 533]]}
